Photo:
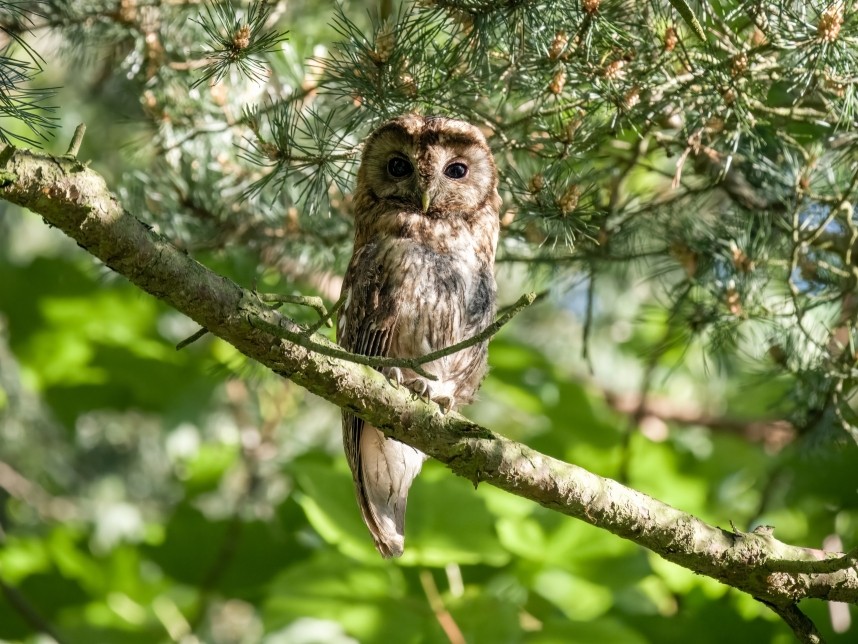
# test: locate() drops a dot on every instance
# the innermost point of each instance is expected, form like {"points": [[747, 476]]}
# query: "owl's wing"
{"points": [[383, 469]]}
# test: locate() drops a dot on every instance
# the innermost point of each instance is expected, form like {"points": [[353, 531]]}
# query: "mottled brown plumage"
{"points": [[420, 279]]}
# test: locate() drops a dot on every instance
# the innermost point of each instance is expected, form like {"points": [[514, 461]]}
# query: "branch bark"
{"points": [[76, 199]]}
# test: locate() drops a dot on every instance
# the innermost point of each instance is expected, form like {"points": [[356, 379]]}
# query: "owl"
{"points": [[421, 278]]}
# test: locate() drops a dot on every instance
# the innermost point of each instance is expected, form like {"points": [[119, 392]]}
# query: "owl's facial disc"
{"points": [[433, 166]]}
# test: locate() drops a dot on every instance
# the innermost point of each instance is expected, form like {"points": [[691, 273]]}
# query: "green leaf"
{"points": [[370, 601], [23, 556], [523, 537], [448, 522], [579, 599], [203, 472], [234, 555], [484, 618], [605, 630]]}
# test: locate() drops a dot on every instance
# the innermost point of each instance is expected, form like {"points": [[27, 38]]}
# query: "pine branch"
{"points": [[19, 102], [76, 200], [237, 39]]}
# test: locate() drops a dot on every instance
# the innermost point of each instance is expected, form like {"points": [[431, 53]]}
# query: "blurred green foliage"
{"points": [[149, 495], [157, 492]]}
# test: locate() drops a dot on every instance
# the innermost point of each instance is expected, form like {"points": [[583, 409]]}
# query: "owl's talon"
{"points": [[420, 386], [423, 389], [446, 403], [393, 375]]}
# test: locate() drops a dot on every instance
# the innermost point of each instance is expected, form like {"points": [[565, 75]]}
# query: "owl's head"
{"points": [[436, 166]]}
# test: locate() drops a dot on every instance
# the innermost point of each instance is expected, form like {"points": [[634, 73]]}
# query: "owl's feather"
{"points": [[420, 279], [383, 470]]}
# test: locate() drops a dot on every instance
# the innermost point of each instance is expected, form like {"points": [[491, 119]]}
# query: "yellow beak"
{"points": [[426, 201]]}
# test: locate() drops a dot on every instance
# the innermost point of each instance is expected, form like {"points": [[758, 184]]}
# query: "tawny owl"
{"points": [[420, 279]]}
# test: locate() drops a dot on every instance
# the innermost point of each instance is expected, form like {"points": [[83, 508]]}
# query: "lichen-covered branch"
{"points": [[77, 200]]}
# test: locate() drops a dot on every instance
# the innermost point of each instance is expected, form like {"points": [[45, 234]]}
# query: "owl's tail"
{"points": [[387, 469]]}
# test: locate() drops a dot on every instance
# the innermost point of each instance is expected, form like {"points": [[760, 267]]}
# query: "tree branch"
{"points": [[76, 200], [804, 629]]}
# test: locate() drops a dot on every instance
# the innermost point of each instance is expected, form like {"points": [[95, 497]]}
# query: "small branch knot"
{"points": [[77, 139]]}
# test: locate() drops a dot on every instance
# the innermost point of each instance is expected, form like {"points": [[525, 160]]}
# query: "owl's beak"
{"points": [[426, 200]]}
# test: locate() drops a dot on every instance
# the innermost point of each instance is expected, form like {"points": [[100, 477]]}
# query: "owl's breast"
{"points": [[440, 298]]}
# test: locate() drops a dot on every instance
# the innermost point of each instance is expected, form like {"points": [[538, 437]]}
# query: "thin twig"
{"points": [[509, 313], [77, 139], [321, 345], [326, 319], [312, 301], [804, 629], [770, 488], [26, 610], [820, 566], [798, 247], [445, 619], [191, 339], [588, 323]]}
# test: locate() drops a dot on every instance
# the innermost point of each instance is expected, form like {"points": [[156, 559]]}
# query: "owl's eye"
{"points": [[456, 170], [398, 168]]}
